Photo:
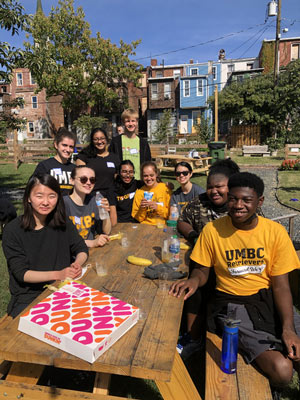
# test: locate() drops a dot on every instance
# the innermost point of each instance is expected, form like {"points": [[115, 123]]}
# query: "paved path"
{"points": [[271, 207]]}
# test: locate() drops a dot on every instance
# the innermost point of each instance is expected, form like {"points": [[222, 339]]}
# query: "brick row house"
{"points": [[43, 116]]}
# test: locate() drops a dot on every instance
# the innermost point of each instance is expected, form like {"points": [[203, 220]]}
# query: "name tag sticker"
{"points": [[133, 151], [57, 171], [110, 165], [77, 220], [247, 269], [160, 203], [131, 195]]}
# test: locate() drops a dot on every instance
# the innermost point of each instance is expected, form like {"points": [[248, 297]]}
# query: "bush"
{"points": [[290, 165]]}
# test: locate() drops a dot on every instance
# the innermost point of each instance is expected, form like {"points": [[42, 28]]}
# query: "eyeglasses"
{"points": [[184, 173], [84, 179], [99, 140], [123, 172]]}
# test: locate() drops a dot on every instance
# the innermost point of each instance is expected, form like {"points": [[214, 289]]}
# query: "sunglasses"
{"points": [[84, 179], [184, 173]]}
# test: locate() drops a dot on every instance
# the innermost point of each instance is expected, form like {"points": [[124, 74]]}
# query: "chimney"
{"points": [[222, 54], [191, 61], [153, 62]]}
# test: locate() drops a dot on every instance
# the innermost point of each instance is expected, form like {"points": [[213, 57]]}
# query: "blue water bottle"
{"points": [[230, 346]]}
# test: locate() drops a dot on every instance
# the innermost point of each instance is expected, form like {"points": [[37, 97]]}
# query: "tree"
{"points": [[86, 123], [259, 101], [204, 130], [13, 19], [90, 73], [163, 128]]}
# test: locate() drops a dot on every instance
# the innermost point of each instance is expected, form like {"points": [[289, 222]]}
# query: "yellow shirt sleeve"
{"points": [[138, 213]]}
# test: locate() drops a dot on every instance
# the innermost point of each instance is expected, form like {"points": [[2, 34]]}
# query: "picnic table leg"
{"points": [[101, 383], [181, 386]]}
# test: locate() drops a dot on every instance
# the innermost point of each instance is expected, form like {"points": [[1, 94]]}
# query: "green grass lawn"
{"points": [[289, 188]]}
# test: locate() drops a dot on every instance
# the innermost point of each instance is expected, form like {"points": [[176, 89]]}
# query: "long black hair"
{"points": [[90, 150], [57, 218]]}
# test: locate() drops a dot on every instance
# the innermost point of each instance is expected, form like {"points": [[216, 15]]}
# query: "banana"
{"points": [[184, 246], [116, 236], [139, 261]]}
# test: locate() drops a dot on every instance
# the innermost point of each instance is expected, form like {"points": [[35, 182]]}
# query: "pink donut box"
{"points": [[79, 320]]}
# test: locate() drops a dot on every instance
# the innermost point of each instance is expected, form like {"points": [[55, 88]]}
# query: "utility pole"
{"points": [[216, 113], [276, 63]]}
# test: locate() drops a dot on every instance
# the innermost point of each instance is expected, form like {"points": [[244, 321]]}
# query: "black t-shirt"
{"points": [[61, 172], [105, 169], [124, 194], [46, 249]]}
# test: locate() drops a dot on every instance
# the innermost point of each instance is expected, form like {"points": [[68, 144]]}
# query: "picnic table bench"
{"points": [[246, 384], [256, 150]]}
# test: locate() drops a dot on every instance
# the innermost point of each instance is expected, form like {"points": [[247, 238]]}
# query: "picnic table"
{"points": [[198, 164], [148, 350]]}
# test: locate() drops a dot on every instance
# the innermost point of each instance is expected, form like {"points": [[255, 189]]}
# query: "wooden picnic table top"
{"points": [[148, 349], [182, 157]]}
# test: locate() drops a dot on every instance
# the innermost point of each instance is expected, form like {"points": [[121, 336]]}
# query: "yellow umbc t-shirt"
{"points": [[161, 195], [244, 261]]}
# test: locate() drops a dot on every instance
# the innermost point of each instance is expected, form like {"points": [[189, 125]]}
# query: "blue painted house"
{"points": [[196, 85]]}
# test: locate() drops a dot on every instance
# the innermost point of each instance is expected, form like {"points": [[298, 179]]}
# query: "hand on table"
{"points": [[179, 287], [73, 271]]}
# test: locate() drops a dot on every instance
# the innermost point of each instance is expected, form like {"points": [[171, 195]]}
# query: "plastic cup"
{"points": [[139, 300], [160, 222], [101, 269], [124, 241], [163, 280]]}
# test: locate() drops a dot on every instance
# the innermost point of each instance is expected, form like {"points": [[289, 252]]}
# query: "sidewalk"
{"points": [[271, 207]]}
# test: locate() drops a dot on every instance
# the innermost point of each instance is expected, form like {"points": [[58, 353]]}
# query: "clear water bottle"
{"points": [[103, 214], [230, 346], [174, 212], [174, 248]]}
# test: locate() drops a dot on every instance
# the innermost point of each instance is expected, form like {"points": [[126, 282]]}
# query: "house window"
{"points": [[199, 87], [30, 127], [21, 106], [34, 102], [32, 80], [159, 74], [19, 79], [214, 72], [230, 70], [186, 88], [249, 66], [295, 52], [154, 91], [176, 73], [194, 71], [3, 89], [167, 91]]}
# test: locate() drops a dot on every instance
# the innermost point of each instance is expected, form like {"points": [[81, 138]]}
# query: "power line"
{"points": [[200, 44]]}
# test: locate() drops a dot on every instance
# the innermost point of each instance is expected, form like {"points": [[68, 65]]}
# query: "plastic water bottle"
{"points": [[103, 214], [174, 212], [174, 248], [230, 346]]}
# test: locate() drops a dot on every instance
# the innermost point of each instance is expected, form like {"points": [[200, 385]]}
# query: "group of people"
{"points": [[250, 255]]}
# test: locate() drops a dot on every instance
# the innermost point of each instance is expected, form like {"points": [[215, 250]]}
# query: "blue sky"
{"points": [[175, 31]]}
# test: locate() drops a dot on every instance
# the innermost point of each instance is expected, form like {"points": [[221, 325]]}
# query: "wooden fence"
{"points": [[244, 135]]}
